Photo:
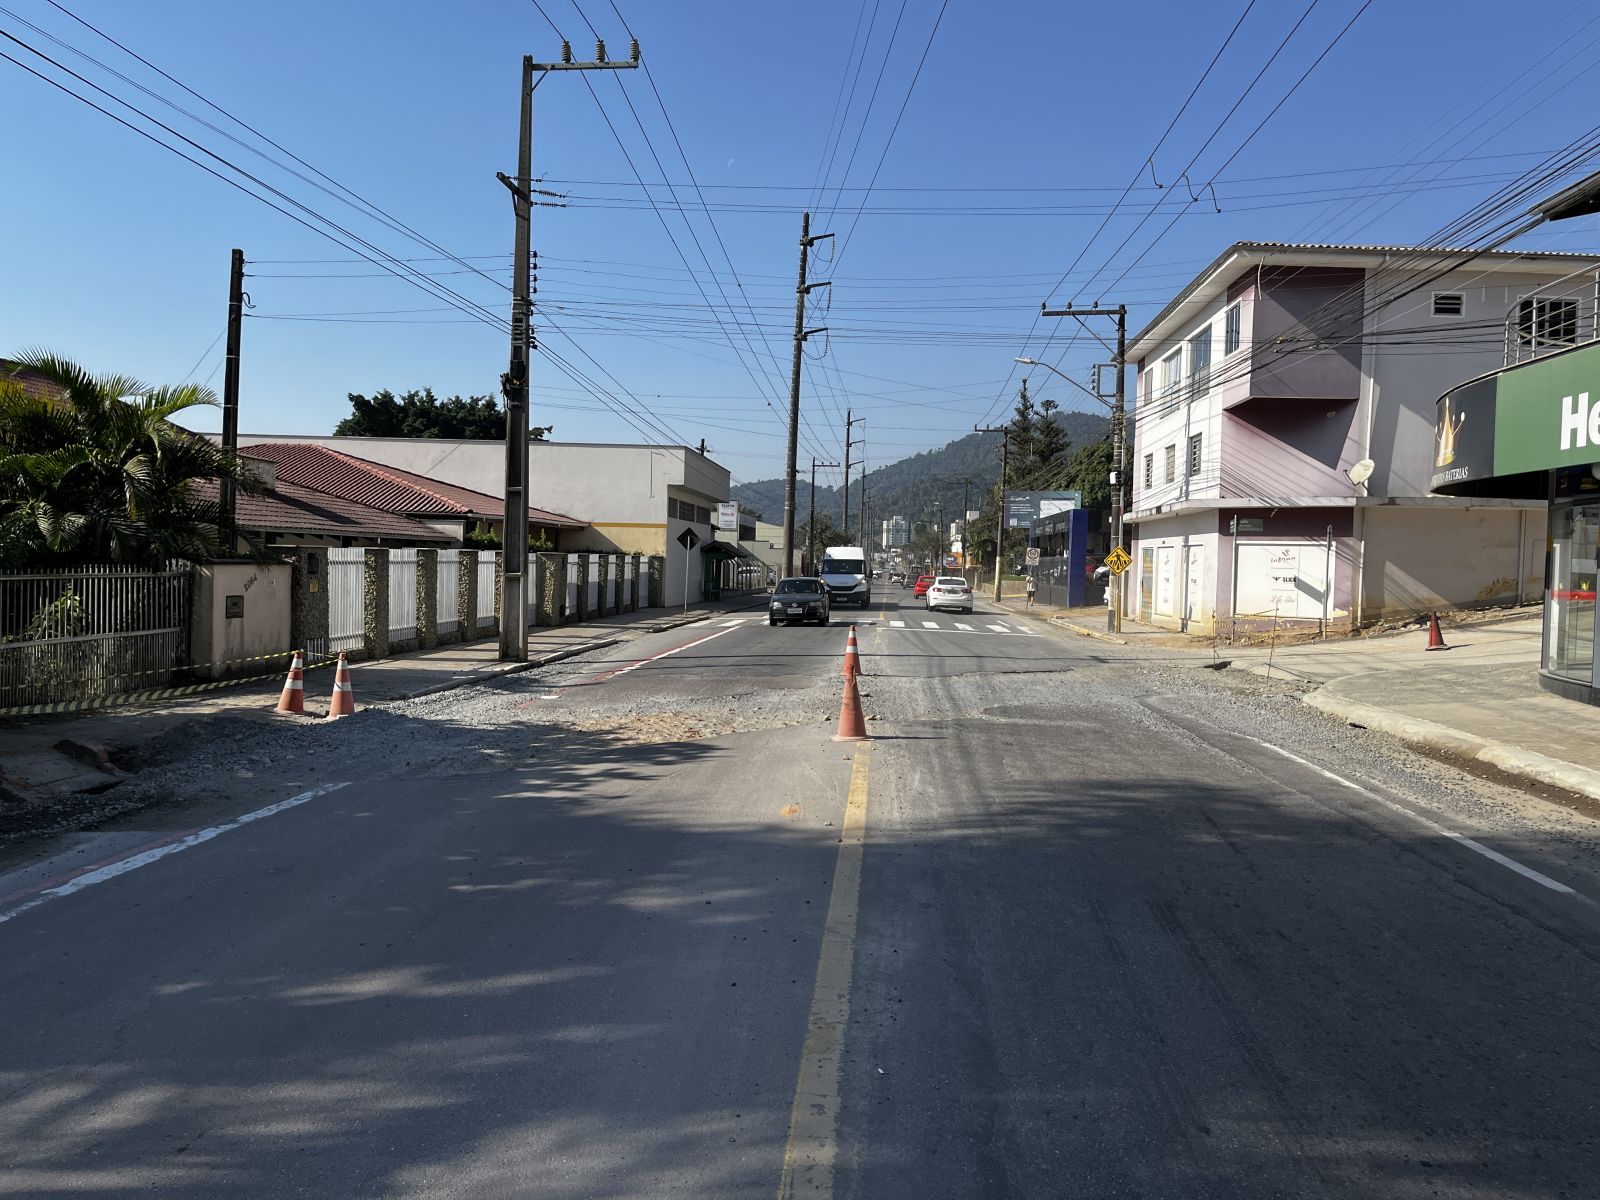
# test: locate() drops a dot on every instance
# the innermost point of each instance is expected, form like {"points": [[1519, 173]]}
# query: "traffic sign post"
{"points": [[688, 539]]}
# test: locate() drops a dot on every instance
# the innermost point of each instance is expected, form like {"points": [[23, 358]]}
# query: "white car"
{"points": [[949, 591]]}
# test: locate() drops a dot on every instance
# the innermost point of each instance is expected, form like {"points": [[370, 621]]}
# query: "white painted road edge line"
{"points": [[121, 867], [1510, 864]]}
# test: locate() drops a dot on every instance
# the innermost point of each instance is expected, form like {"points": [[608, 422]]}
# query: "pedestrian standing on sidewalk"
{"points": [[1031, 586]]}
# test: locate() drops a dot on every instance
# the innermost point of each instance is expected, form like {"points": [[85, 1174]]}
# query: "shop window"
{"points": [[1570, 600]]}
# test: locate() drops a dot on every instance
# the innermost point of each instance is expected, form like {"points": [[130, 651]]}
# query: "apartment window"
{"points": [[702, 516], [1449, 304], [1149, 469], [1194, 455], [1200, 360], [1547, 323], [1172, 370], [1232, 323], [672, 508], [1171, 463]]}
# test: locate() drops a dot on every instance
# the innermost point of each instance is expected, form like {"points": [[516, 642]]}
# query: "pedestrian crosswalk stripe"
{"points": [[999, 629], [897, 624], [930, 624], [959, 625]]}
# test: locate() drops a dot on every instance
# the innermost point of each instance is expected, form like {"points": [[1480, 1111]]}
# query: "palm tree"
{"points": [[92, 469]]}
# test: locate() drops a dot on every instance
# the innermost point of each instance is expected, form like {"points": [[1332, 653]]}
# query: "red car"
{"points": [[924, 582]]}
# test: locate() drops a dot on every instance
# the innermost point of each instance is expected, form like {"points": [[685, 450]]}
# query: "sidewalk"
{"points": [[1480, 699], [41, 757]]}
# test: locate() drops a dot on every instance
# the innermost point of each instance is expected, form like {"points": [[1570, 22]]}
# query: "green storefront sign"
{"points": [[1499, 434]]}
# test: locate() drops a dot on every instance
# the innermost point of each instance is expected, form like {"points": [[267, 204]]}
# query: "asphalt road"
{"points": [[1068, 926]]}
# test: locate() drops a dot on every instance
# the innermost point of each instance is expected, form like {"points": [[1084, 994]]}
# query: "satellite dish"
{"points": [[1361, 471]]}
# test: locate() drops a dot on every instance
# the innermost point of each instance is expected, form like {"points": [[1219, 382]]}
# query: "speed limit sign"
{"points": [[1033, 556]]}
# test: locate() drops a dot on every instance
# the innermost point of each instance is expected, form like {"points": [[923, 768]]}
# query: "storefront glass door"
{"points": [[1570, 597]]}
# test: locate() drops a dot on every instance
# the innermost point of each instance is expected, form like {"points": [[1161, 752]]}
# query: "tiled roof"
{"points": [[31, 382], [382, 486], [294, 509]]}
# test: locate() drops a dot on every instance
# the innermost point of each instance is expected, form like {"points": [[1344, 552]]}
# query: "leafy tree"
{"points": [[424, 415], [827, 534], [95, 471]]}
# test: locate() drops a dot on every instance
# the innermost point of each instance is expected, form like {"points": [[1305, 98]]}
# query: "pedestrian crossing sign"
{"points": [[1118, 561]]}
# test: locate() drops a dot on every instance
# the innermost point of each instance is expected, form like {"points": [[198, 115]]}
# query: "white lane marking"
{"points": [[968, 628], [102, 874], [1493, 855], [730, 624], [930, 624], [897, 624], [999, 629], [644, 662]]}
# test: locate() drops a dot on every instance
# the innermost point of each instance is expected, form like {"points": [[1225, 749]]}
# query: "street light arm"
{"points": [[1034, 362]]}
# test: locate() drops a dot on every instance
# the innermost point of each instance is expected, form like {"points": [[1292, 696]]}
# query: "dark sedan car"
{"points": [[798, 599]]}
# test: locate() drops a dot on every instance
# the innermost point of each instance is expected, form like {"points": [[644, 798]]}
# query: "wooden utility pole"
{"points": [[811, 525], [850, 422], [514, 577], [226, 519], [801, 333], [1000, 517]]}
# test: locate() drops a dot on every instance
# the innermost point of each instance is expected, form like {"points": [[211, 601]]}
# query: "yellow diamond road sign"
{"points": [[1118, 561]]}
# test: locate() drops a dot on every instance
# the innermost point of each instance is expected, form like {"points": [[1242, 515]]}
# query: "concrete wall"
{"points": [[1416, 559], [221, 646], [1181, 535], [1328, 301]]}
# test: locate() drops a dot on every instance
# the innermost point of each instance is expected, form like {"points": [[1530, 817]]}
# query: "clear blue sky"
{"points": [[1026, 124]]}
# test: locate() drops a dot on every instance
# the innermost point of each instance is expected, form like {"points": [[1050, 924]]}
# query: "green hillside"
{"points": [[917, 487]]}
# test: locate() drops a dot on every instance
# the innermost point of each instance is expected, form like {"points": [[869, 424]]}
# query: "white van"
{"points": [[844, 570]]}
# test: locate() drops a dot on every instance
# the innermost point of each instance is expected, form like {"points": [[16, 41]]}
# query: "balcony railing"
{"points": [[1562, 314]]}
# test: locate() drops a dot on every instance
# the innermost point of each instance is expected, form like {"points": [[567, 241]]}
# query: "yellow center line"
{"points": [[809, 1155]]}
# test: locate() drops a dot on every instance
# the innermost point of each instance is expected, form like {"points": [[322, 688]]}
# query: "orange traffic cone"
{"points": [[293, 699], [344, 699], [852, 725], [852, 656], [1435, 638]]}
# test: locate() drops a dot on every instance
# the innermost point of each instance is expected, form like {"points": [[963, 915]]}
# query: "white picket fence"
{"points": [[444, 592], [402, 595], [346, 581], [488, 581]]}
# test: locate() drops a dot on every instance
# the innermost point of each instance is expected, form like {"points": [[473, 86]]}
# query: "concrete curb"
{"points": [[1526, 763], [556, 656], [1085, 631], [543, 660]]}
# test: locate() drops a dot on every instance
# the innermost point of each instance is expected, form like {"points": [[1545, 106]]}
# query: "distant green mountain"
{"points": [[918, 487]]}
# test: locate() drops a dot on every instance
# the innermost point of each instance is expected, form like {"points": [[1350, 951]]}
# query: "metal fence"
{"points": [[444, 591], [83, 633], [570, 601], [402, 595], [488, 582], [346, 587]]}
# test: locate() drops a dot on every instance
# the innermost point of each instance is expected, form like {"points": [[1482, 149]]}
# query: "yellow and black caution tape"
{"points": [[121, 699]]}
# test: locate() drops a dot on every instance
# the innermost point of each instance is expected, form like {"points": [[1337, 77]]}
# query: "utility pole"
{"points": [[226, 520], [966, 507], [811, 525], [801, 333], [850, 422], [1119, 415], [514, 384], [1000, 517]]}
